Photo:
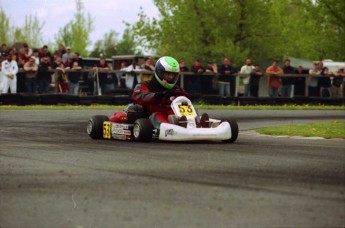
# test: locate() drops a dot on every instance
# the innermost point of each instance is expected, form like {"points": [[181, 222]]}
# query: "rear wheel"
{"points": [[95, 126], [234, 131], [142, 130]]}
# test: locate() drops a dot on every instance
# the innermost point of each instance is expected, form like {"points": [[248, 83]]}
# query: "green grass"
{"points": [[333, 129], [198, 106]]}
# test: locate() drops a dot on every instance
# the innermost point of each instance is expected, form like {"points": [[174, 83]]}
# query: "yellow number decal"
{"points": [[106, 130], [186, 110]]}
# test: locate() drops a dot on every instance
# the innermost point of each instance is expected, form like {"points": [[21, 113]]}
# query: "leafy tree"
{"points": [[329, 30], [76, 33], [4, 27], [31, 32], [106, 46], [259, 29], [200, 29], [127, 45]]}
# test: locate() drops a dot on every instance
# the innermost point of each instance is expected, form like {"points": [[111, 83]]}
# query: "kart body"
{"points": [[134, 124]]}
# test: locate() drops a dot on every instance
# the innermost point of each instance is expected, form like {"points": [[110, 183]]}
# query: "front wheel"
{"points": [[95, 126], [234, 131], [142, 130]]}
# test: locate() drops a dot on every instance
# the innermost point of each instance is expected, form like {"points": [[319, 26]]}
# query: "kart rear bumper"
{"points": [[170, 132]]}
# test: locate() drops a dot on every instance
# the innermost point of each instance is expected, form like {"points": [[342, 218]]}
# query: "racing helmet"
{"points": [[167, 64]]}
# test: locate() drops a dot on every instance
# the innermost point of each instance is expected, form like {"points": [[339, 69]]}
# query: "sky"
{"points": [[106, 14]]}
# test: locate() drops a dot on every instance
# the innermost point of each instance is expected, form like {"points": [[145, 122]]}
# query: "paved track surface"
{"points": [[53, 175]]}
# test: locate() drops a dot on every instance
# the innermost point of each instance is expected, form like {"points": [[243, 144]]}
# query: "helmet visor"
{"points": [[171, 77]]}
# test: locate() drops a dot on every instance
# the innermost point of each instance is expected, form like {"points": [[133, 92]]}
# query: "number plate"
{"points": [[186, 110], [106, 130]]}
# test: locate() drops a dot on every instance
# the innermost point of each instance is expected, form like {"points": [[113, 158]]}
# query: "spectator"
{"points": [[287, 81], [57, 62], [8, 78], [274, 81], [45, 52], [62, 78], [68, 63], [44, 76], [208, 80], [77, 58], [193, 82], [61, 49], [36, 55], [67, 55], [299, 82], [337, 81], [73, 78], [31, 69], [3, 52], [254, 81], [325, 83], [24, 54], [313, 86], [226, 71], [132, 78], [27, 50], [106, 80], [247, 69], [148, 65], [183, 67], [22, 58], [121, 76]]}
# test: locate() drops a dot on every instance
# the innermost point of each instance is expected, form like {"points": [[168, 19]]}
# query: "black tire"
{"points": [[142, 130], [95, 126], [234, 131]]}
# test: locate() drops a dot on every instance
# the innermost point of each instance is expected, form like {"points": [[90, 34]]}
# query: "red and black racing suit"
{"points": [[156, 99]]}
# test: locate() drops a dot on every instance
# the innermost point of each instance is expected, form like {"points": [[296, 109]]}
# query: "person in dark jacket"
{"points": [[299, 82], [226, 73], [325, 83], [44, 76], [193, 82], [254, 81], [288, 81]]}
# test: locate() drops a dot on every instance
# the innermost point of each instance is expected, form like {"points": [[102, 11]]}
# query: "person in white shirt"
{"points": [[247, 69], [132, 78], [9, 70], [68, 55]]}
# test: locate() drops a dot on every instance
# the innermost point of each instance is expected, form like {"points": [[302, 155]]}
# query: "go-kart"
{"points": [[133, 124]]}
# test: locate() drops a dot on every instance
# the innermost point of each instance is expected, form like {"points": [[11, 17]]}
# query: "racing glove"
{"points": [[181, 92], [167, 93]]}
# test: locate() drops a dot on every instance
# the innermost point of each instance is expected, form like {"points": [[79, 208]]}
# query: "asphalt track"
{"points": [[53, 175]]}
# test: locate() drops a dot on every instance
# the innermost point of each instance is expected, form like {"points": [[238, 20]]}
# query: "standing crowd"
{"points": [[37, 66]]}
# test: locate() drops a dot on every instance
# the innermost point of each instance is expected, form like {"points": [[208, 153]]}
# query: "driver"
{"points": [[156, 95]]}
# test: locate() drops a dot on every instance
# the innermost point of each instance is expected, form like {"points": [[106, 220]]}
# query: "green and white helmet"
{"points": [[167, 64]]}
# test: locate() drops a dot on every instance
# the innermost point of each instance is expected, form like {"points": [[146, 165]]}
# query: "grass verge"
{"points": [[333, 129]]}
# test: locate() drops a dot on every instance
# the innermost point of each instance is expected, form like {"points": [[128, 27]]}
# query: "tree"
{"points": [[330, 28], [107, 46], [31, 32], [259, 29], [76, 33], [127, 45], [199, 29], [4, 27]]}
